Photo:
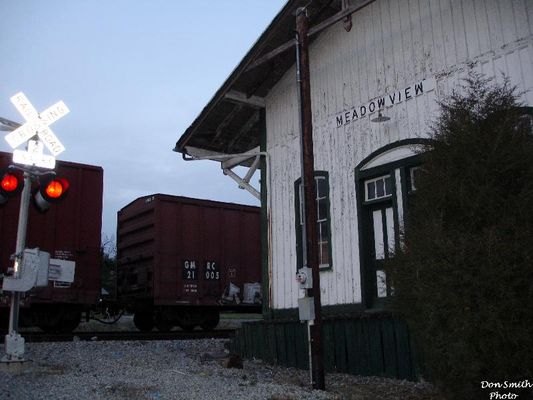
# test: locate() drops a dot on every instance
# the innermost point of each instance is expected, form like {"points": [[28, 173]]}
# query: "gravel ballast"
{"points": [[180, 369]]}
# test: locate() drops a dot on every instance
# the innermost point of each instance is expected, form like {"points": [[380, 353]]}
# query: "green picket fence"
{"points": [[367, 345]]}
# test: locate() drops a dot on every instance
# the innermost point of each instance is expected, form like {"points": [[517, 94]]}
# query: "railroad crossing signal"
{"points": [[37, 133], [36, 124]]}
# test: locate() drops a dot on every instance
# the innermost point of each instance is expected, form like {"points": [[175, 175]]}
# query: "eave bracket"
{"points": [[230, 161]]}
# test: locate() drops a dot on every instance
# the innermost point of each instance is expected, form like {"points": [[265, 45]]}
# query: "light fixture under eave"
{"points": [[380, 118]]}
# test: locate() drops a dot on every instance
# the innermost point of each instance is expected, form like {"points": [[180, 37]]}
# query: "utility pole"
{"points": [[308, 180]]}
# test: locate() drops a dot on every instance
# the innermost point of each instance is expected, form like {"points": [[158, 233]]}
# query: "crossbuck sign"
{"points": [[36, 124]]}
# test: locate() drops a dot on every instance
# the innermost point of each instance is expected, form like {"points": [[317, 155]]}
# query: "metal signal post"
{"points": [[14, 342]]}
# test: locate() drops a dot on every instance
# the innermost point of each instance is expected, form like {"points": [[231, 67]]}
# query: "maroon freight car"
{"points": [[70, 230], [182, 260]]}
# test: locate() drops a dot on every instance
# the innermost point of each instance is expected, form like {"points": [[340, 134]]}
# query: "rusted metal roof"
{"points": [[229, 123]]}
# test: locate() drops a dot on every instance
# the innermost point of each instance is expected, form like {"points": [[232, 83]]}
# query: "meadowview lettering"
{"points": [[388, 100]]}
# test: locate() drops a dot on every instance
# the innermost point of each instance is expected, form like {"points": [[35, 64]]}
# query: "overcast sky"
{"points": [[134, 74]]}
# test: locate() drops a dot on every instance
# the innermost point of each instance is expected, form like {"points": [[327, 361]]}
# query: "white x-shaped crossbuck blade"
{"points": [[37, 124]]}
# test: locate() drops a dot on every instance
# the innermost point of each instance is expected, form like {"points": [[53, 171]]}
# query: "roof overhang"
{"points": [[230, 123]]}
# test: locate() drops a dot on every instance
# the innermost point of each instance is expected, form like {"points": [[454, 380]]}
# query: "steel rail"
{"points": [[35, 337]]}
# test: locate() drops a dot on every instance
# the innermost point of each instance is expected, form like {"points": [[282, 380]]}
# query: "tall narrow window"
{"points": [[323, 221]]}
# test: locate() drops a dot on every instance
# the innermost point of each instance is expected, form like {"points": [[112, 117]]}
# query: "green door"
{"points": [[380, 234]]}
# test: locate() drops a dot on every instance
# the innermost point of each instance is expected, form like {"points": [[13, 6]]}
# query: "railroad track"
{"points": [[127, 335]]}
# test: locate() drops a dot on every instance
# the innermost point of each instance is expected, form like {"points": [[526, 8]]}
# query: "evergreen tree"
{"points": [[463, 278]]}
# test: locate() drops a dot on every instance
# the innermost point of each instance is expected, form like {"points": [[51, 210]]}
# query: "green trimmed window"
{"points": [[323, 220], [378, 188]]}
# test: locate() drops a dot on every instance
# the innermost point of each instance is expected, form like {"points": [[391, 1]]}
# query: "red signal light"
{"points": [[54, 190], [51, 190], [10, 185]]}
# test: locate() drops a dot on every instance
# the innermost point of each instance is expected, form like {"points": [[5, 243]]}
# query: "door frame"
{"points": [[400, 155]]}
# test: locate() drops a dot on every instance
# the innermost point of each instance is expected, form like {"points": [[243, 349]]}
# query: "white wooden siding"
{"points": [[393, 44]]}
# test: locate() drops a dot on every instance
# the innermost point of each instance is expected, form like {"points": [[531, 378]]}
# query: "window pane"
{"points": [[323, 231], [380, 188], [391, 239], [323, 255], [414, 175], [381, 280], [388, 188], [301, 202], [321, 187], [371, 190], [322, 209], [379, 242]]}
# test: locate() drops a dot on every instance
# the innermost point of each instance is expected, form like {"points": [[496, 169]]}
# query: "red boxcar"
{"points": [[182, 260], [69, 230]]}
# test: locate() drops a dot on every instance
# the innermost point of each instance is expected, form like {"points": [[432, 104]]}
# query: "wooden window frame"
{"points": [[298, 218]]}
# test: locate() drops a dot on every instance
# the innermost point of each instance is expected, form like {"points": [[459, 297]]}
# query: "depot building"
{"points": [[377, 71]]}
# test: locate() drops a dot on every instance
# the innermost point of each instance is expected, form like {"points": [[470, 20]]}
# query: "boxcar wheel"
{"points": [[68, 321], [143, 321], [62, 320], [187, 320], [48, 328], [187, 327], [162, 324], [211, 321]]}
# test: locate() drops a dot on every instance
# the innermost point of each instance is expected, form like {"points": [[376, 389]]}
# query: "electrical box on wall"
{"points": [[304, 276], [306, 308]]}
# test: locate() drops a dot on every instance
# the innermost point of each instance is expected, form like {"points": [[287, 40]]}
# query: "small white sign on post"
{"points": [[34, 156], [61, 270], [36, 124]]}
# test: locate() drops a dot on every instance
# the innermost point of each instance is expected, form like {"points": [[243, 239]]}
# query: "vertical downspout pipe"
{"points": [[308, 180]]}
